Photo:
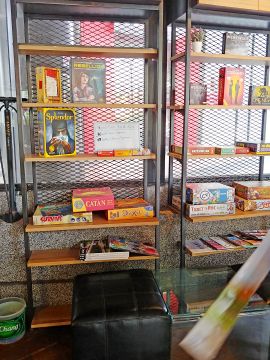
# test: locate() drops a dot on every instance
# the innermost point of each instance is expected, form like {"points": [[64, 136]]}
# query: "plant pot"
{"points": [[197, 46]]}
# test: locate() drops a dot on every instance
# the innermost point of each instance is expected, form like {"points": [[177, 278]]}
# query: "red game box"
{"points": [[231, 86], [92, 199]]}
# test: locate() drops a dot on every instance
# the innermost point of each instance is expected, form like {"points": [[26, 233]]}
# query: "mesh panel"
{"points": [[218, 127], [124, 84]]}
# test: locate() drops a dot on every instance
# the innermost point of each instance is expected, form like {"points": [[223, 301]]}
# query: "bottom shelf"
{"points": [[49, 316]]}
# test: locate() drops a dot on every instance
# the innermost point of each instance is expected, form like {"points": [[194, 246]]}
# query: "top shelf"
{"points": [[223, 58], [86, 51]]}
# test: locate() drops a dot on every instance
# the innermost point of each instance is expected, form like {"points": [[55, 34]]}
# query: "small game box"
{"points": [[60, 213], [209, 193], [248, 205], [225, 150], [237, 44], [56, 131], [255, 147], [241, 150], [259, 95], [130, 209], [48, 85], [210, 209], [252, 190], [198, 94], [231, 86], [195, 150], [92, 199]]}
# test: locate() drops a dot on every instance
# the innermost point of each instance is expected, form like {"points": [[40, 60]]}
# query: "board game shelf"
{"points": [[53, 257], [86, 51], [223, 58], [215, 156], [220, 107], [26, 105], [99, 221], [86, 157], [50, 316]]}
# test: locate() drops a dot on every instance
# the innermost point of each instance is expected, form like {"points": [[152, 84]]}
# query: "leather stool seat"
{"points": [[119, 316]]}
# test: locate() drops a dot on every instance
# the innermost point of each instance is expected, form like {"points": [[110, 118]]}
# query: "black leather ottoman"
{"points": [[119, 316]]}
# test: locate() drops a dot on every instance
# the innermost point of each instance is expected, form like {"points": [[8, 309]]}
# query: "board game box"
{"points": [[225, 150], [209, 193], [248, 205], [255, 147], [48, 82], [197, 94], [231, 86], [195, 150], [252, 190], [197, 248], [210, 209], [88, 80], [237, 44], [241, 150], [56, 132], [130, 209], [92, 199], [60, 213], [259, 95]]}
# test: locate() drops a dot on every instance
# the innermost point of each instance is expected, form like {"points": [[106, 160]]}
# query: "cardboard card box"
{"points": [[92, 199]]}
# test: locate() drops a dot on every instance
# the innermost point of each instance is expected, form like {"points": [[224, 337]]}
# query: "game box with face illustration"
{"points": [[56, 132]]}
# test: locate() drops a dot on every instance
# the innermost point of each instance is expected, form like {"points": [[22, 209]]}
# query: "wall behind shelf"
{"points": [[53, 285]]}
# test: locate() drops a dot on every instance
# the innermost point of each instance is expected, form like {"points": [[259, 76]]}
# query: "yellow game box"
{"points": [[48, 85], [130, 209], [56, 131]]}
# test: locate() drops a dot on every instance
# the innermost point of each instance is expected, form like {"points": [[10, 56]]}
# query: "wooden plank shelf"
{"points": [[220, 107], [86, 157], [55, 257], [27, 105], [86, 51], [99, 221], [237, 216], [50, 316], [223, 58], [215, 156], [213, 252]]}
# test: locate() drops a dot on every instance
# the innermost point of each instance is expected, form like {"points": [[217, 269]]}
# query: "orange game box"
{"points": [[130, 209]]}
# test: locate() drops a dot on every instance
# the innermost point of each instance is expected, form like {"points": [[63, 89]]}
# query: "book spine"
{"points": [[224, 43], [221, 86]]}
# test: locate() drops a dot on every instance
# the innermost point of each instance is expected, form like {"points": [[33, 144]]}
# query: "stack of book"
{"points": [[252, 195]]}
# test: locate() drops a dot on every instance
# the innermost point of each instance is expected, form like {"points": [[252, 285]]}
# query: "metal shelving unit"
{"points": [[129, 35], [211, 123]]}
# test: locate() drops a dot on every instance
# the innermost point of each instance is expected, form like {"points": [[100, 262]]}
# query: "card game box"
{"points": [[197, 93], [209, 193], [252, 190], [48, 82], [241, 150], [92, 199], [60, 213], [56, 132], [259, 95], [210, 209], [231, 86], [255, 147], [225, 150], [130, 209], [237, 44], [248, 205], [195, 150]]}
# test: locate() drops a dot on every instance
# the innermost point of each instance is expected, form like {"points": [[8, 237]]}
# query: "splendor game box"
{"points": [[210, 209], [231, 86], [130, 209], [56, 131], [247, 205], [252, 190], [60, 213], [209, 193], [48, 85], [92, 199]]}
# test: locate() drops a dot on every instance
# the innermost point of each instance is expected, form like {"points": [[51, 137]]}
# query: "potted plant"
{"points": [[197, 36]]}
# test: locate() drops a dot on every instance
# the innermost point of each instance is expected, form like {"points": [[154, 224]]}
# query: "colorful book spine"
{"points": [[213, 244]]}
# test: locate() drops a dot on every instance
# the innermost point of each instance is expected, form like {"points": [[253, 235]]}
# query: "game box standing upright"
{"points": [[56, 131], [48, 82], [231, 86], [92, 199], [259, 95], [237, 44], [209, 193], [198, 93]]}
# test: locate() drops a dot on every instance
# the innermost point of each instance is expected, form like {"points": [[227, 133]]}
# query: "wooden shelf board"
{"points": [[214, 252], [99, 221], [86, 157], [26, 105], [220, 107], [75, 50], [223, 58], [55, 257], [237, 216], [49, 316], [215, 156]]}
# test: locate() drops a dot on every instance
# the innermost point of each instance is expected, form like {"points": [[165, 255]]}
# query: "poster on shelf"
{"points": [[116, 135]]}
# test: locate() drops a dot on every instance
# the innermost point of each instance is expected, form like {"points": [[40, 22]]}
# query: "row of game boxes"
{"points": [[62, 213], [240, 147], [238, 240]]}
